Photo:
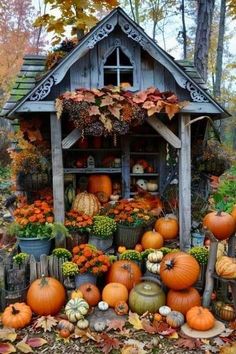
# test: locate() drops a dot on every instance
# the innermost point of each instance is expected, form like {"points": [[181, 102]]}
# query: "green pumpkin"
{"points": [[76, 309]]}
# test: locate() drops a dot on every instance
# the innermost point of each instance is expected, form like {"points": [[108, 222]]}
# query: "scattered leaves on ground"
{"points": [[134, 320], [115, 325], [46, 323], [107, 343]]}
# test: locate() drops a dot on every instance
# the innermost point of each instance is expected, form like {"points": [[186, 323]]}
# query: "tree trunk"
{"points": [[220, 49], [184, 33], [203, 34]]}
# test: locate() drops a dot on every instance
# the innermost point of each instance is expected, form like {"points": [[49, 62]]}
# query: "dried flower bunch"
{"points": [[112, 110], [90, 260]]}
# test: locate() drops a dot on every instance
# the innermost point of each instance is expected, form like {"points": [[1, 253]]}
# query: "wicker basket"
{"points": [[224, 313], [128, 236]]}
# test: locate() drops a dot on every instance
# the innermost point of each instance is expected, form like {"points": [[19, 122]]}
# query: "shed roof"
{"points": [[34, 67]]}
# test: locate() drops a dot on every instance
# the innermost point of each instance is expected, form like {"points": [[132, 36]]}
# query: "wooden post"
{"points": [[185, 182], [125, 167], [58, 176]]}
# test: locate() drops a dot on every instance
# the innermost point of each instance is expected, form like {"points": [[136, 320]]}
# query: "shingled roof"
{"points": [[32, 68]]}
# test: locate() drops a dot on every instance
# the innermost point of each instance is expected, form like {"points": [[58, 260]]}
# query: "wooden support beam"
{"points": [[165, 132], [58, 176], [71, 138], [185, 182]]}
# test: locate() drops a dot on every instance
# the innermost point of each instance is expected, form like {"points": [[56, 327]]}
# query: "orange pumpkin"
{"points": [[168, 227], [183, 300], [138, 247], [152, 239], [87, 203], [121, 308], [64, 333], [121, 249], [17, 315], [91, 293], [100, 183], [113, 293], [221, 224], [124, 272], [200, 318], [46, 296], [157, 317], [179, 270]]}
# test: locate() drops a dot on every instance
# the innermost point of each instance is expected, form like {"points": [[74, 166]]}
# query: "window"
{"points": [[118, 69]]}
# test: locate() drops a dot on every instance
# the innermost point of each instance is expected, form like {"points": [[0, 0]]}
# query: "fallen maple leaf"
{"points": [[163, 328], [85, 335], [147, 326], [134, 320], [228, 349], [108, 343], [115, 325], [189, 343], [6, 348], [45, 322], [133, 346], [8, 334]]}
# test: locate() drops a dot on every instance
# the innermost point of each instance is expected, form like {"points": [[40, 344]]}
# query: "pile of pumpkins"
{"points": [[124, 290]]}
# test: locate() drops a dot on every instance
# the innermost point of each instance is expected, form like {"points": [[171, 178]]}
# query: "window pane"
{"points": [[111, 60], [124, 60], [110, 77], [126, 77]]}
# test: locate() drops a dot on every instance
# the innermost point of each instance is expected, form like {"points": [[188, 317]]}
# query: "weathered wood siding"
{"points": [[87, 72]]}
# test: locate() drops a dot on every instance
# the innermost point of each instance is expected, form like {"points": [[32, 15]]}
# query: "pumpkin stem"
{"points": [[14, 311], [218, 212], [169, 264], [43, 281]]}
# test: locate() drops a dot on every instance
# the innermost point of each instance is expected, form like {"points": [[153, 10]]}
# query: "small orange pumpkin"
{"points": [[64, 333], [168, 227], [114, 292], [121, 308], [221, 224], [152, 239], [17, 315], [91, 293], [121, 249], [200, 318], [138, 247], [76, 294], [157, 317]]}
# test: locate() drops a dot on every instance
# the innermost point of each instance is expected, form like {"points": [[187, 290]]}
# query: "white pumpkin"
{"points": [[164, 310], [103, 305], [153, 267], [99, 326], [142, 183], [83, 324], [137, 168], [152, 186], [155, 257]]}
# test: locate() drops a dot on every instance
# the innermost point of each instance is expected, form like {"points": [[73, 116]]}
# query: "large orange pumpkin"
{"points": [[221, 224], [113, 293], [87, 203], [200, 318], [46, 296], [152, 239], [100, 183], [91, 293], [183, 300], [168, 227], [124, 272], [179, 270]]}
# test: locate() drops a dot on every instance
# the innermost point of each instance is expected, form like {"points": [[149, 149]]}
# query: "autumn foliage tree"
{"points": [[17, 37], [80, 15]]}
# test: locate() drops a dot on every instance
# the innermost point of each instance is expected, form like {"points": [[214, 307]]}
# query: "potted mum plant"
{"points": [[34, 228], [102, 232], [79, 226], [91, 263]]}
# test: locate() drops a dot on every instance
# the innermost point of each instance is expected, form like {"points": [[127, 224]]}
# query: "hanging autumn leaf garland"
{"points": [[111, 110]]}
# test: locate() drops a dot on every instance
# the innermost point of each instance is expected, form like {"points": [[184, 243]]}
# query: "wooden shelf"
{"points": [[94, 149], [145, 153], [153, 193], [144, 174], [92, 170]]}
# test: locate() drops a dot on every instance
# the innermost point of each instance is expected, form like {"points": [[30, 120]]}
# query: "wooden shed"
{"points": [[118, 50]]}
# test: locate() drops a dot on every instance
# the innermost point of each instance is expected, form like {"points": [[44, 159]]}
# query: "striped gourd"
{"points": [[76, 309], [87, 203]]}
